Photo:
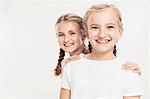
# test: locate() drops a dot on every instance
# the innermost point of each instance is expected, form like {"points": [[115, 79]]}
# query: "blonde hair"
{"points": [[70, 17], [99, 7]]}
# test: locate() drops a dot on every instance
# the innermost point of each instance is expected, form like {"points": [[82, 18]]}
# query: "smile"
{"points": [[68, 44], [102, 41]]}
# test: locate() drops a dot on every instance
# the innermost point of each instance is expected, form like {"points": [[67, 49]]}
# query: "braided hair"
{"points": [[90, 47], [115, 51], [58, 68]]}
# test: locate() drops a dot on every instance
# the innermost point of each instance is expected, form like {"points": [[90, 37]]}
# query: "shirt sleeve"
{"points": [[65, 78], [134, 86]]}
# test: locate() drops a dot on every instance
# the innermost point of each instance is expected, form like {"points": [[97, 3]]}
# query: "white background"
{"points": [[29, 48]]}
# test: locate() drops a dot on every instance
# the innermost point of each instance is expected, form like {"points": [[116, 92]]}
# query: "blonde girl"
{"points": [[89, 77]]}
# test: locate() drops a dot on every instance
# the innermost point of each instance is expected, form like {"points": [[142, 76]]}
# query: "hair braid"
{"points": [[90, 47], [115, 51], [58, 68]]}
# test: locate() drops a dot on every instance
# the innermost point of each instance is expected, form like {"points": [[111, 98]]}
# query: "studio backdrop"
{"points": [[29, 48]]}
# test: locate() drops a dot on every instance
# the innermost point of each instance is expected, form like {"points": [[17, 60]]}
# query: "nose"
{"points": [[102, 32], [67, 38]]}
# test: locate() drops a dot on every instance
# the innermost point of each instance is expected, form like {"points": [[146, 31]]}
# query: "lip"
{"points": [[68, 44]]}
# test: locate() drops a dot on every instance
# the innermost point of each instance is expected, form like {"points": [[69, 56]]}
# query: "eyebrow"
{"points": [[94, 24], [70, 31], [60, 33]]}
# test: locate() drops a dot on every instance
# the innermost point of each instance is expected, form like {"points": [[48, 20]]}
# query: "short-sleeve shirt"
{"points": [[94, 79]]}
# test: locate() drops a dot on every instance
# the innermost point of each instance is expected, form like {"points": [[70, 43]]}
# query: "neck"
{"points": [[101, 56], [78, 51]]}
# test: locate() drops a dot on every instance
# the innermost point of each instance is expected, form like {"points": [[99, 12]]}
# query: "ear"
{"points": [[121, 31], [84, 35]]}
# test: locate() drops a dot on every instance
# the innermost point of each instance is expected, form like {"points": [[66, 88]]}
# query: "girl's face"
{"points": [[69, 36], [103, 30]]}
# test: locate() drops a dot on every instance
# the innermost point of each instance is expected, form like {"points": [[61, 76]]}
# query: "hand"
{"points": [[132, 66], [69, 59], [73, 58]]}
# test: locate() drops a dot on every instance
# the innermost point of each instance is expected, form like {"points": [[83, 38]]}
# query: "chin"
{"points": [[103, 50], [69, 50]]}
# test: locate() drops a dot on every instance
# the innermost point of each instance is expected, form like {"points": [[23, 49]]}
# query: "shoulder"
{"points": [[74, 63]]}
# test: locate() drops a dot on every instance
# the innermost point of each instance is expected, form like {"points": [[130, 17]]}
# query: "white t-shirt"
{"points": [[93, 79]]}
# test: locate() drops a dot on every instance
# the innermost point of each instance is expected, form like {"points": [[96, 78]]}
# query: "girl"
{"points": [[71, 30], [89, 77]]}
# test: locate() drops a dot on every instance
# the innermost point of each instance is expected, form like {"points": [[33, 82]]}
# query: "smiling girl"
{"points": [[98, 75]]}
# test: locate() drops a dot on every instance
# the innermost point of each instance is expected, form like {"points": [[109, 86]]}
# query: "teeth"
{"points": [[68, 44], [103, 41]]}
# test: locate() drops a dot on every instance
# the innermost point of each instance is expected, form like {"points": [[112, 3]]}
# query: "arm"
{"points": [[131, 97], [65, 94], [134, 87]]}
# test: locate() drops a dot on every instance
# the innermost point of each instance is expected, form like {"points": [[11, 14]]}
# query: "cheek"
{"points": [[60, 41], [116, 35], [91, 36], [93, 33], [77, 38], [79, 41]]}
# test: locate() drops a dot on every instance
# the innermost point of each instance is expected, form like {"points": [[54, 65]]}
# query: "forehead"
{"points": [[67, 25], [104, 15]]}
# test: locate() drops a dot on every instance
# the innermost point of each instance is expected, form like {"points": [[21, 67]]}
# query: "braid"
{"points": [[90, 47], [115, 51], [58, 68]]}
